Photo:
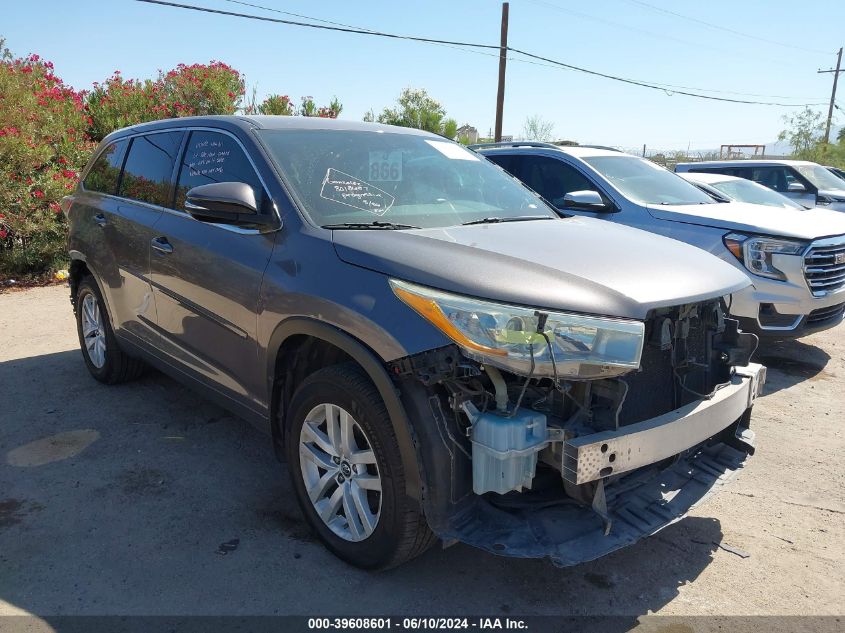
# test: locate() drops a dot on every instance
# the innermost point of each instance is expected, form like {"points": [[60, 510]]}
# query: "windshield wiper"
{"points": [[370, 225], [497, 220]]}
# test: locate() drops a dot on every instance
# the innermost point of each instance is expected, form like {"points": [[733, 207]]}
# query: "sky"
{"points": [[775, 48]]}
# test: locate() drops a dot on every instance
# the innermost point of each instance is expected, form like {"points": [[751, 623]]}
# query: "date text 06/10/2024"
{"points": [[416, 623]]}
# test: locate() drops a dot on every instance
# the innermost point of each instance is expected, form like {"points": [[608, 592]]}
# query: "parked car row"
{"points": [[437, 351]]}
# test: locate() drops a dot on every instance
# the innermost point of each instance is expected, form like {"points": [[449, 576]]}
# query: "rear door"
{"points": [[207, 277], [96, 224], [146, 186]]}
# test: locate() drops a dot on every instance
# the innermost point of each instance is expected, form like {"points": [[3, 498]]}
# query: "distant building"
{"points": [[468, 132]]}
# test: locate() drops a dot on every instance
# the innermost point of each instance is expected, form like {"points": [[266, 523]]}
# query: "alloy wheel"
{"points": [[93, 331], [340, 472]]}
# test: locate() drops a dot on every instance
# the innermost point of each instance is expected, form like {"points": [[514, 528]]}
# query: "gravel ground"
{"points": [[145, 499]]}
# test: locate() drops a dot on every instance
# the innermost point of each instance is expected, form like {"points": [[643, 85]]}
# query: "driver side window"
{"points": [[214, 157], [552, 178]]}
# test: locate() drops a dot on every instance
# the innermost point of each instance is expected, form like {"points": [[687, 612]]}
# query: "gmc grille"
{"points": [[824, 267]]}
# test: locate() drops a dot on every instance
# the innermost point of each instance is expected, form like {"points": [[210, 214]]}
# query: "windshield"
{"points": [[645, 182], [820, 177], [394, 179], [751, 192]]}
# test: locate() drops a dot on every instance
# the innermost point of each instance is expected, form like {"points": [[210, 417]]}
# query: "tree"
{"points": [[279, 105], [804, 132], [43, 147], [538, 129], [415, 108]]}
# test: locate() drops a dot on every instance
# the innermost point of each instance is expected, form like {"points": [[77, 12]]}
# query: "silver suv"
{"points": [[795, 259]]}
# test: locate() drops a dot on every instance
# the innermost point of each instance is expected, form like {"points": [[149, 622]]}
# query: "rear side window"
{"points": [[105, 172], [149, 166], [214, 157]]}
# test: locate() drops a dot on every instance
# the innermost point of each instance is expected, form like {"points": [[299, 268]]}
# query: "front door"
{"points": [[206, 277], [786, 181], [553, 179]]}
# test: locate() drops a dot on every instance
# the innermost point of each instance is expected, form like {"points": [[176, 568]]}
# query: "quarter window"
{"points": [[105, 172], [213, 157], [149, 167]]}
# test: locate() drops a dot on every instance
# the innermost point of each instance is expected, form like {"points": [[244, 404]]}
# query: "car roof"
{"points": [[579, 151], [744, 163], [707, 178], [268, 122]]}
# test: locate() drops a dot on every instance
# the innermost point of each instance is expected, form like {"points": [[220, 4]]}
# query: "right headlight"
{"points": [[579, 346], [756, 252]]}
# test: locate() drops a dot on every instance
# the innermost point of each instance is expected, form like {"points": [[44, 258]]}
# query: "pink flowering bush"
{"points": [[43, 146], [198, 89]]}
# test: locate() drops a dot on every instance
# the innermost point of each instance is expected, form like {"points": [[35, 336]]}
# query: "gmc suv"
{"points": [[433, 350], [795, 259]]}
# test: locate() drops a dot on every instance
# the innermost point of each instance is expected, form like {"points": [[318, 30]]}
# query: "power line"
{"points": [[548, 61], [725, 28], [317, 26], [658, 36], [350, 26], [654, 86]]}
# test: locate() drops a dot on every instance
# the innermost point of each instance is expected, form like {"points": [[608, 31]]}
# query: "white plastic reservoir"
{"points": [[504, 450]]}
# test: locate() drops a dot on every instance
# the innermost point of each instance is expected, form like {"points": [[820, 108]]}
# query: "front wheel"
{"points": [[349, 478]]}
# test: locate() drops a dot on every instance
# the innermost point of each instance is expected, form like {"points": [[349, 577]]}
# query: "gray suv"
{"points": [[434, 352]]}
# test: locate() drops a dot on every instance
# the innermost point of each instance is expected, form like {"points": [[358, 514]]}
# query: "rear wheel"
{"points": [[349, 478], [103, 357]]}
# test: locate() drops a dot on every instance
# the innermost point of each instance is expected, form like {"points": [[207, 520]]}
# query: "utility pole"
{"points": [[503, 61], [832, 94]]}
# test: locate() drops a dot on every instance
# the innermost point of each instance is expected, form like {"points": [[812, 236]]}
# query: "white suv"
{"points": [[795, 258], [807, 183]]}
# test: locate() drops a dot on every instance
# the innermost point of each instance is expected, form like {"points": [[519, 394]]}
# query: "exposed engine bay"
{"points": [[574, 467]]}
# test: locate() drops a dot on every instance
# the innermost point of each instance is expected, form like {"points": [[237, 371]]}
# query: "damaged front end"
{"points": [[571, 451]]}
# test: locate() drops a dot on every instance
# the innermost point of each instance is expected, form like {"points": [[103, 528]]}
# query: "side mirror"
{"points": [[589, 200], [224, 203], [796, 187]]}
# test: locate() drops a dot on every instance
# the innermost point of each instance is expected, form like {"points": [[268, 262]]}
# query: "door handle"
{"points": [[100, 219], [161, 245]]}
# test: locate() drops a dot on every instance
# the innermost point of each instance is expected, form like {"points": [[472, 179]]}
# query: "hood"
{"points": [[808, 224], [837, 194], [573, 264]]}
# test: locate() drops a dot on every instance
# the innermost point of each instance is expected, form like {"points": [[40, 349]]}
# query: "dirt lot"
{"points": [[145, 499]]}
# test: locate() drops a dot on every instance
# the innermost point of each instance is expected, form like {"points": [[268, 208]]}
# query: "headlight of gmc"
{"points": [[507, 336], [756, 253]]}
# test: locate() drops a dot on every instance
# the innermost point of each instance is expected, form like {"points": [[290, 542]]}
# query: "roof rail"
{"points": [[514, 144], [606, 147]]}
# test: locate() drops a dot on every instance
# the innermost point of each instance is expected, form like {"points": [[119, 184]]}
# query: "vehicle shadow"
{"points": [[145, 499], [790, 362]]}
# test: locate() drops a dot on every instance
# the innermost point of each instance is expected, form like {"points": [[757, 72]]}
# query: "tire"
{"points": [[399, 532], [100, 350]]}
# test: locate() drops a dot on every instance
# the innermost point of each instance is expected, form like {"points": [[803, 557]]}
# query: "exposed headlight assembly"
{"points": [[507, 336], [757, 253]]}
